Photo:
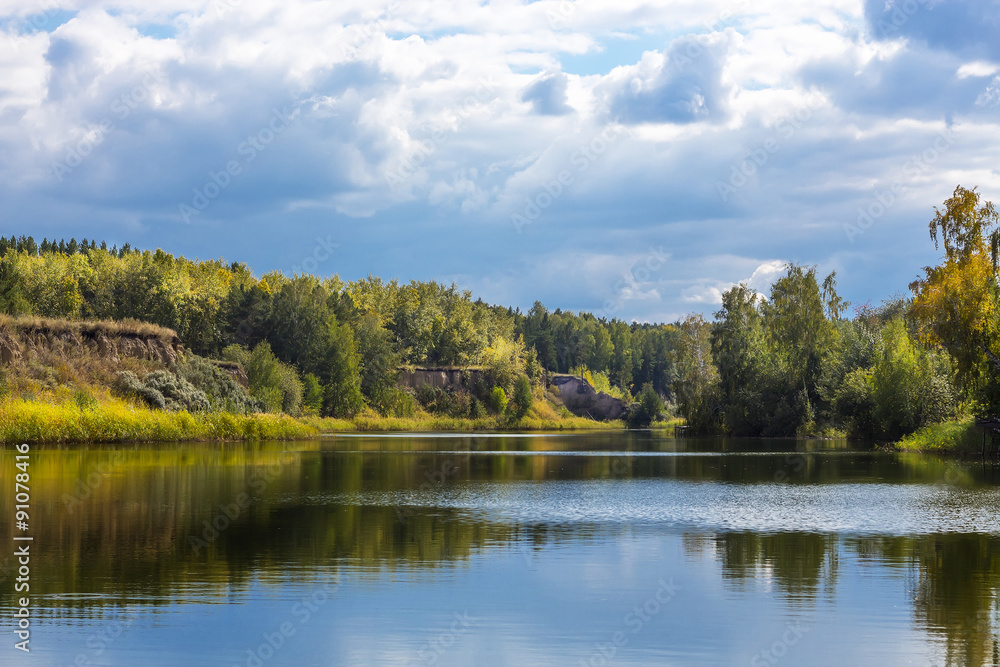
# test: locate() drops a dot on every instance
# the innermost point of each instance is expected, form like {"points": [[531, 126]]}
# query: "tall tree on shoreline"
{"points": [[957, 302]]}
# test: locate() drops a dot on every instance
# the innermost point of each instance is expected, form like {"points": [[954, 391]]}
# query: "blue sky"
{"points": [[633, 159]]}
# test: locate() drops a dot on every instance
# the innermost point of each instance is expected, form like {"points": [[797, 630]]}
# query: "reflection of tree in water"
{"points": [[954, 582], [954, 590], [799, 564]]}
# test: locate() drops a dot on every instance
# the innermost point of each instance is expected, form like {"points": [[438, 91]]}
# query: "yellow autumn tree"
{"points": [[956, 303]]}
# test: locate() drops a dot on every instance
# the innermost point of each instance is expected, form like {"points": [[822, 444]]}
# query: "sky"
{"points": [[633, 159]]}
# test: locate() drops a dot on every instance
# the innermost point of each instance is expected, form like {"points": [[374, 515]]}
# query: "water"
{"points": [[594, 549]]}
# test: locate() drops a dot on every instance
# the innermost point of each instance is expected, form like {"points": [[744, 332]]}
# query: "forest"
{"points": [[797, 361]]}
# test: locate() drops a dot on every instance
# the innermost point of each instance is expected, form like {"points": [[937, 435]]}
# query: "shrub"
{"points": [[128, 385], [179, 394], [644, 411], [503, 362], [498, 400], [223, 392], [275, 384], [398, 402]]}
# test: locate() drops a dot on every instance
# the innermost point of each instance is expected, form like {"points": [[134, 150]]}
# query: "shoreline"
{"points": [[66, 420]]}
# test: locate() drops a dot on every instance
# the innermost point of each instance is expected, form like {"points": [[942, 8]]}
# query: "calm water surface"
{"points": [[595, 549]]}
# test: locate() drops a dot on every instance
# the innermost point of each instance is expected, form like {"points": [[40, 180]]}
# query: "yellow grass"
{"points": [[111, 328], [543, 417], [59, 420]]}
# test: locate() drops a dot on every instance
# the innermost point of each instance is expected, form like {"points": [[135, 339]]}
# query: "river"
{"points": [[546, 549]]}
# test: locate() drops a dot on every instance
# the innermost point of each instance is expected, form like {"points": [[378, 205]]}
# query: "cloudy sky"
{"points": [[632, 158]]}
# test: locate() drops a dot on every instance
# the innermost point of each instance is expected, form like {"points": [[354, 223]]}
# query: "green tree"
{"points": [[520, 403], [696, 380], [956, 303], [648, 406], [740, 355], [343, 397], [379, 362], [498, 400]]}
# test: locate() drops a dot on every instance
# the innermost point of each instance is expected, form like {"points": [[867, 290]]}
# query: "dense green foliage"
{"points": [[787, 363]]}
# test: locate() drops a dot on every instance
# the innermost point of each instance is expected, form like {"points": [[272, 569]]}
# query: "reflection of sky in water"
{"points": [[355, 558], [882, 509]]}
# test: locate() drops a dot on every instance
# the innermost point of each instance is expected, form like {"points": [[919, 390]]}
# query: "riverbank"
{"points": [[66, 417], [950, 437]]}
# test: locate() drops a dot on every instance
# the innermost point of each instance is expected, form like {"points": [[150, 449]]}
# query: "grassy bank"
{"points": [[437, 423], [95, 416], [82, 418], [960, 437]]}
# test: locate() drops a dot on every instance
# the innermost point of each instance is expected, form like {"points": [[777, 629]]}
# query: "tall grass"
{"points": [[95, 416], [111, 328], [542, 417], [114, 420], [959, 436]]}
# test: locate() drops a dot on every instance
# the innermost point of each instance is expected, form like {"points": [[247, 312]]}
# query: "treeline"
{"points": [[326, 345], [28, 245], [791, 362]]}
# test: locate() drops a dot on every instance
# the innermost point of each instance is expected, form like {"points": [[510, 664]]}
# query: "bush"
{"points": [[223, 392], [128, 385], [162, 390], [178, 393], [644, 411], [275, 384], [398, 402], [504, 362], [854, 405], [498, 400]]}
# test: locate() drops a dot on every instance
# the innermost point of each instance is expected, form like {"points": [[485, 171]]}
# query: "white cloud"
{"points": [[438, 121]]}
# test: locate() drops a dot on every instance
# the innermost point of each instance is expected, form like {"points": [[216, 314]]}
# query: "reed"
{"points": [[107, 420], [959, 436]]}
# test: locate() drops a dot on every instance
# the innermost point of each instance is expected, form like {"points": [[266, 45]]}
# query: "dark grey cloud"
{"points": [[548, 95]]}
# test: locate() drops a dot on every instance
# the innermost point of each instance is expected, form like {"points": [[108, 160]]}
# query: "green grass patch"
{"points": [[960, 436], [113, 420], [64, 416], [437, 423]]}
